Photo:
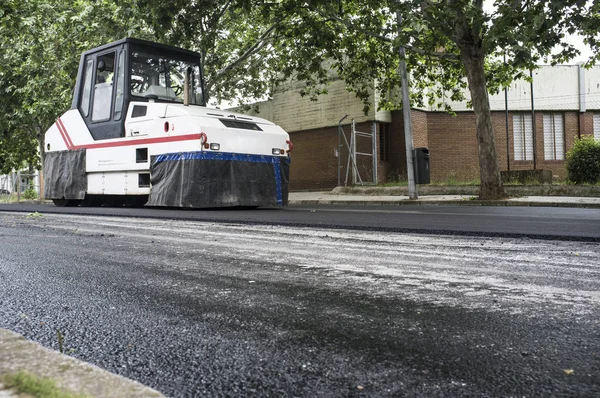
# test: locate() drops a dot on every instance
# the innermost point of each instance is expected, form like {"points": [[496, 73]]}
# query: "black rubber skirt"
{"points": [[64, 175], [210, 179]]}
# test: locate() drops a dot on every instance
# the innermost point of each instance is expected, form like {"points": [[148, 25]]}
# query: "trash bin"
{"points": [[421, 165]]}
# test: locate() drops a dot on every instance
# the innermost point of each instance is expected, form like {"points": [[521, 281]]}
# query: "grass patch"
{"points": [[452, 182], [13, 197], [396, 184], [37, 387], [445, 183], [8, 198]]}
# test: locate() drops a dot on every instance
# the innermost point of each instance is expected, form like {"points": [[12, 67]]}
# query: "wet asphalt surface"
{"points": [[577, 224], [196, 308]]}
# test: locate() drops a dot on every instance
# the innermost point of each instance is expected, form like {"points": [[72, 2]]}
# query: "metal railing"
{"points": [[18, 186]]}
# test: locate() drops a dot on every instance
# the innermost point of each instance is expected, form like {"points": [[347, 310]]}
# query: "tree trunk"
{"points": [[491, 183], [41, 139]]}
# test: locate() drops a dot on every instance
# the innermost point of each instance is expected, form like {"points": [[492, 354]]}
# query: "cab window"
{"points": [[163, 78], [85, 95], [103, 87]]}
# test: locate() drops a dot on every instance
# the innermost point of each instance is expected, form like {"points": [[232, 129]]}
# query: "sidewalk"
{"points": [[71, 376], [333, 198]]}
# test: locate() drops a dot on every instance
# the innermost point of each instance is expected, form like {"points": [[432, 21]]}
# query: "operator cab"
{"points": [[110, 77]]}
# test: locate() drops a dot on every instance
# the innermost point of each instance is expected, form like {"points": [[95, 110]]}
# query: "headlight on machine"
{"points": [[277, 151], [215, 146]]}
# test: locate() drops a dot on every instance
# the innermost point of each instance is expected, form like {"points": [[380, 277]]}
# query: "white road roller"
{"points": [[138, 132]]}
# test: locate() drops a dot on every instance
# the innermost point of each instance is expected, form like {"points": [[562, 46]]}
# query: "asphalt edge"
{"points": [[17, 354], [467, 201]]}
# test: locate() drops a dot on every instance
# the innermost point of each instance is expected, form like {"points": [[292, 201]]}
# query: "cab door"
{"points": [[102, 99]]}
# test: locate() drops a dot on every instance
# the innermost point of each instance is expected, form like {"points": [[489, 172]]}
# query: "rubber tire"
{"points": [[66, 202], [60, 202]]}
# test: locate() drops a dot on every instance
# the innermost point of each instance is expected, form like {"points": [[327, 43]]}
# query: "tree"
{"points": [[237, 40], [448, 42], [40, 43], [251, 46]]}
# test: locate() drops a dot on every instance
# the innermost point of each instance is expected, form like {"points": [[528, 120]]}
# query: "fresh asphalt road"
{"points": [[505, 221], [201, 308]]}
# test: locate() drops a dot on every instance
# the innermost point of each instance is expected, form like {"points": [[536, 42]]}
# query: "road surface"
{"points": [[197, 308], [513, 221]]}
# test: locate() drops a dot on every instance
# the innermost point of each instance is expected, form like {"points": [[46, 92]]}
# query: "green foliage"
{"points": [[40, 44], [16, 151], [583, 161], [30, 194]]}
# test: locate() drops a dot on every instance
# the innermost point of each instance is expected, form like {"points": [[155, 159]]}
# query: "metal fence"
{"points": [[18, 186]]}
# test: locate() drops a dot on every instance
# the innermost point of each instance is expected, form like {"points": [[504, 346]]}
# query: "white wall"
{"points": [[592, 88], [554, 88]]}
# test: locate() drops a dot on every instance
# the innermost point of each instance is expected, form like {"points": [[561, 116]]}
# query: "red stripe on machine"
{"points": [[143, 141], [64, 134], [140, 141]]}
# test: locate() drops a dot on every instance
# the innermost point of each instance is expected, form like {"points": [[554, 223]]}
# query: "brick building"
{"points": [[567, 106]]}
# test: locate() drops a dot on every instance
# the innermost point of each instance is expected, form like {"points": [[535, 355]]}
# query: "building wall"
{"points": [[397, 163], [454, 149], [452, 146], [294, 113], [452, 141], [314, 161]]}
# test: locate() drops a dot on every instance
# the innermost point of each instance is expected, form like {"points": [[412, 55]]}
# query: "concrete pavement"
{"points": [[341, 198]]}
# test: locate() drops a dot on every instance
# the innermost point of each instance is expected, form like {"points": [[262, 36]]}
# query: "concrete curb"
{"points": [[465, 202], [19, 354], [511, 190]]}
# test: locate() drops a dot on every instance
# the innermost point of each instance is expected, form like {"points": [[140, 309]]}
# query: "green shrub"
{"points": [[30, 193], [583, 161]]}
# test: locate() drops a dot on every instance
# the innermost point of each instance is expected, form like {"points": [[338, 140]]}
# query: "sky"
{"points": [[576, 40], [586, 52]]}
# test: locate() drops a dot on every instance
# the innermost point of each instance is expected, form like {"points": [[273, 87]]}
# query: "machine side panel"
{"points": [[116, 183]]}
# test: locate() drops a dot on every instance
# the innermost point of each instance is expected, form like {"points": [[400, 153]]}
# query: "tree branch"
{"points": [[258, 45], [437, 54], [351, 26], [416, 50], [223, 10]]}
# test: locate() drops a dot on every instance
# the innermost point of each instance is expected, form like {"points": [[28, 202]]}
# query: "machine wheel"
{"points": [[66, 202], [60, 202]]}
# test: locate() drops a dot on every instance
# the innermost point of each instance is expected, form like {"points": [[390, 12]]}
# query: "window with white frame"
{"points": [[597, 126], [523, 136], [554, 136]]}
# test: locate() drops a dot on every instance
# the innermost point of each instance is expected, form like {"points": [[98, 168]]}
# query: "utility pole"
{"points": [[19, 186], [533, 120], [506, 119], [408, 136]]}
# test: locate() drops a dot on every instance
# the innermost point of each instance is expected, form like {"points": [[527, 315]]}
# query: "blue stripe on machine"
{"points": [[217, 156], [230, 156]]}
